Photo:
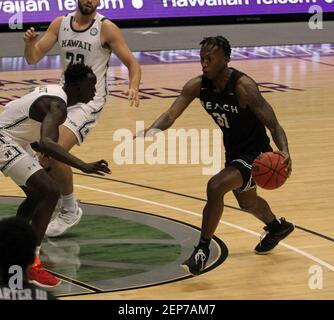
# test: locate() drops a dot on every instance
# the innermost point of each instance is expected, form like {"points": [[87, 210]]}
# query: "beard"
{"points": [[85, 11]]}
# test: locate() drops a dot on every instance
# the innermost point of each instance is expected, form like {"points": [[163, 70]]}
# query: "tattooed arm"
{"points": [[249, 95]]}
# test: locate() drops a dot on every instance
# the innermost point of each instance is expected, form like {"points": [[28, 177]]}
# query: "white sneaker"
{"points": [[63, 221], [57, 210]]}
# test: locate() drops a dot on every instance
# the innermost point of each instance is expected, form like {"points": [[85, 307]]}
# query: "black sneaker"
{"points": [[197, 261], [271, 238]]}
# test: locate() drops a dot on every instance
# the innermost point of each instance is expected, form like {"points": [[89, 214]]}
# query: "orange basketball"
{"points": [[268, 171]]}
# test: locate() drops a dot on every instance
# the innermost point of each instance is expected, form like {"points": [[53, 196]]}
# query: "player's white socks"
{"points": [[69, 202]]}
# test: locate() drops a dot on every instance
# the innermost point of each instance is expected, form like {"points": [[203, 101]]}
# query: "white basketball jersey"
{"points": [[14, 120], [85, 46]]}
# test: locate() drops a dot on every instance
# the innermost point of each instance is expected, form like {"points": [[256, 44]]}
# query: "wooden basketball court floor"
{"points": [[300, 88]]}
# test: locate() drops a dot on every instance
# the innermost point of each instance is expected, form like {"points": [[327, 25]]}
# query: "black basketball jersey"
{"points": [[243, 131]]}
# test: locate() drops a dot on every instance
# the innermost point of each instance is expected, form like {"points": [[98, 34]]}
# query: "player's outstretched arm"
{"points": [[190, 91], [34, 49], [55, 116], [249, 95], [116, 42]]}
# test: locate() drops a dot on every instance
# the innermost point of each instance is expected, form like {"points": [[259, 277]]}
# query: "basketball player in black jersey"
{"points": [[234, 102]]}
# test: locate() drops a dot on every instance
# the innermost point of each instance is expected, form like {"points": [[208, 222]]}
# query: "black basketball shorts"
{"points": [[244, 164]]}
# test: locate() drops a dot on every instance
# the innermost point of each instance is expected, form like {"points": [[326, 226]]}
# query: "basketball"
{"points": [[268, 171]]}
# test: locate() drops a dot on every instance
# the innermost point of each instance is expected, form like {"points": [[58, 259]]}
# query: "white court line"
{"points": [[292, 248]]}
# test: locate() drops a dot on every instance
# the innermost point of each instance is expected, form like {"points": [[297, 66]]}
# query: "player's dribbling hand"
{"points": [[30, 36], [287, 160], [133, 97], [98, 167]]}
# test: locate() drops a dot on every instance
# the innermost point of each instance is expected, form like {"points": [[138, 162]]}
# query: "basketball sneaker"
{"points": [[40, 277], [197, 261], [63, 221], [270, 238]]}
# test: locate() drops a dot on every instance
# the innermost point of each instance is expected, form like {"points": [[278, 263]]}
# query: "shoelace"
{"points": [[200, 255], [65, 216]]}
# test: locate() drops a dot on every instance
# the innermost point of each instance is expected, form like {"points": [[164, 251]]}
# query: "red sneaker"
{"points": [[40, 277]]}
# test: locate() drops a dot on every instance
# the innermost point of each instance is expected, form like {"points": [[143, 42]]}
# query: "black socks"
{"points": [[274, 226], [204, 243]]}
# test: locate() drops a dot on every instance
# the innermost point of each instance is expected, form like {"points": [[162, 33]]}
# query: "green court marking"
{"points": [[149, 254], [114, 249], [89, 273], [8, 210], [94, 227], [106, 227]]}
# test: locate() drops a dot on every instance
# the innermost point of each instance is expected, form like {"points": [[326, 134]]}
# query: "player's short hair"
{"points": [[218, 41], [18, 243], [77, 72]]}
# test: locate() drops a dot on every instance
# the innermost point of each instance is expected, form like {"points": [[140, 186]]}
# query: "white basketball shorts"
{"points": [[81, 118], [16, 162]]}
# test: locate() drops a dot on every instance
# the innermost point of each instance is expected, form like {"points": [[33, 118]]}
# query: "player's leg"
{"points": [[28, 205], [70, 213], [41, 183], [61, 172], [275, 229], [25, 170], [246, 195], [80, 120], [223, 182], [251, 202], [42, 193], [248, 199]]}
